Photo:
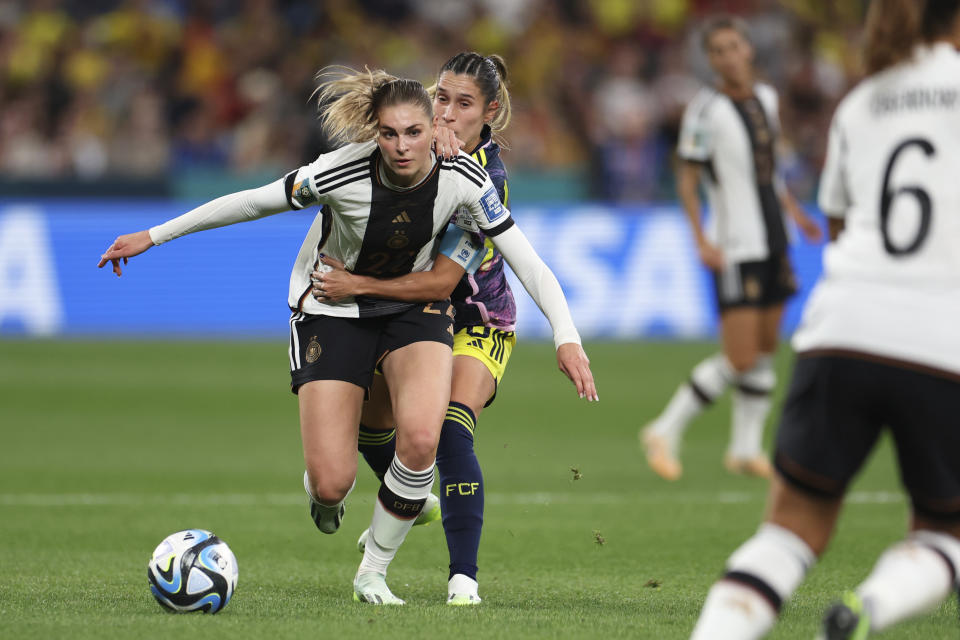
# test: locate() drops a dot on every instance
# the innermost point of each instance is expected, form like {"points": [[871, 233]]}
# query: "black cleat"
{"points": [[846, 620]]}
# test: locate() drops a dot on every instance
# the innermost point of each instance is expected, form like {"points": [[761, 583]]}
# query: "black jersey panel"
{"points": [[762, 144], [400, 225]]}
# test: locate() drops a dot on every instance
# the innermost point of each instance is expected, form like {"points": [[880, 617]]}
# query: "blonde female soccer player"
{"points": [[386, 171], [470, 98]]}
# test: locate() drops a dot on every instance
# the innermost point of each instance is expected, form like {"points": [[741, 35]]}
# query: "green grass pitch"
{"points": [[107, 447]]}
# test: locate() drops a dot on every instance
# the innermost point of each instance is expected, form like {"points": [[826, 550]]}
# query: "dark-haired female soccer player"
{"points": [[387, 197], [877, 347], [472, 99]]}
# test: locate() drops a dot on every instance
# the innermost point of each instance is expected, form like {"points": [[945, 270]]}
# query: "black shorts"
{"points": [[350, 349], [764, 283], [837, 406]]}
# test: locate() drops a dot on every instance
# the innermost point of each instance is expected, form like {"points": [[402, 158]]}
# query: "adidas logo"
{"points": [[403, 217], [477, 344]]}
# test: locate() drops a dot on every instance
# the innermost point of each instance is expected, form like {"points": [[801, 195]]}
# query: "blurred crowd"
{"points": [[147, 88]]}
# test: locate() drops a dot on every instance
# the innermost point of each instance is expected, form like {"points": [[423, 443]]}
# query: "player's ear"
{"points": [[491, 112]]}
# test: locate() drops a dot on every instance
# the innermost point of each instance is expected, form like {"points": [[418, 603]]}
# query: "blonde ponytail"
{"points": [[350, 100]]}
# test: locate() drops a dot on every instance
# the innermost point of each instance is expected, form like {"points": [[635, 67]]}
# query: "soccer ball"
{"points": [[192, 570]]}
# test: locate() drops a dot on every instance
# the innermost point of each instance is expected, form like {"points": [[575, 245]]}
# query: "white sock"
{"points": [[761, 575], [910, 578], [708, 381], [401, 497], [752, 399]]}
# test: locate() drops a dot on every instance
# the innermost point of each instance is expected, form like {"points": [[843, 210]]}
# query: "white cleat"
{"points": [[372, 588], [661, 455], [429, 513], [462, 591], [758, 465]]}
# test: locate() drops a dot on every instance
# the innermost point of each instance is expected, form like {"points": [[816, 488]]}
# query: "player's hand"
{"points": [[710, 255], [576, 365], [334, 283], [124, 247], [810, 229], [446, 144]]}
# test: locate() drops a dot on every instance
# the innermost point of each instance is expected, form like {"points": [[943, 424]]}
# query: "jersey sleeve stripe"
{"points": [[340, 176], [471, 165], [339, 167], [327, 187], [500, 228], [464, 174], [468, 164]]}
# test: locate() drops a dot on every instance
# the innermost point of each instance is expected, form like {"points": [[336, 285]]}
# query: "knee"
{"points": [[417, 447], [329, 489], [743, 361]]}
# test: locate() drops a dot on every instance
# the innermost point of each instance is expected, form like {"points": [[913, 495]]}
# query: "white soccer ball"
{"points": [[192, 570]]}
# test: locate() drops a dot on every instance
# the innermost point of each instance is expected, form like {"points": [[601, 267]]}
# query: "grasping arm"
{"points": [[422, 286]]}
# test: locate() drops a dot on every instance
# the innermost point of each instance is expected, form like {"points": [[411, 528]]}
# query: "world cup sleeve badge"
{"points": [[493, 209]]}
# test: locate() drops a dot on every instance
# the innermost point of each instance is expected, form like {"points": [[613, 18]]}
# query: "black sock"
{"points": [[377, 447]]}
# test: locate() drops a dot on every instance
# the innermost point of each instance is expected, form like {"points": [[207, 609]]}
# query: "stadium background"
{"points": [[131, 408], [159, 104]]}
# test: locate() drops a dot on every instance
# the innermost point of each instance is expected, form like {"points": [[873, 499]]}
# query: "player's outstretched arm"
{"points": [[543, 287], [229, 209], [422, 286]]}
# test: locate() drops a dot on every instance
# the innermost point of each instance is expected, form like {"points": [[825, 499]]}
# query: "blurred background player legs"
{"points": [[749, 337], [727, 146]]}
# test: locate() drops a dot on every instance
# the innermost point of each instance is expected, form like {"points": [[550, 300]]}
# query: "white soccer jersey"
{"points": [[734, 140], [379, 230], [891, 283]]}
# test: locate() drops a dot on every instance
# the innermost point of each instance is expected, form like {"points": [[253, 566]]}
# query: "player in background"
{"points": [[877, 346], [386, 169], [728, 143], [472, 99]]}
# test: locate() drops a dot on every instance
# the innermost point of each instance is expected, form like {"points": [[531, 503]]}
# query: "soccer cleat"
{"points": [[660, 455], [846, 620], [462, 591], [757, 466], [326, 518], [429, 513], [372, 588]]}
